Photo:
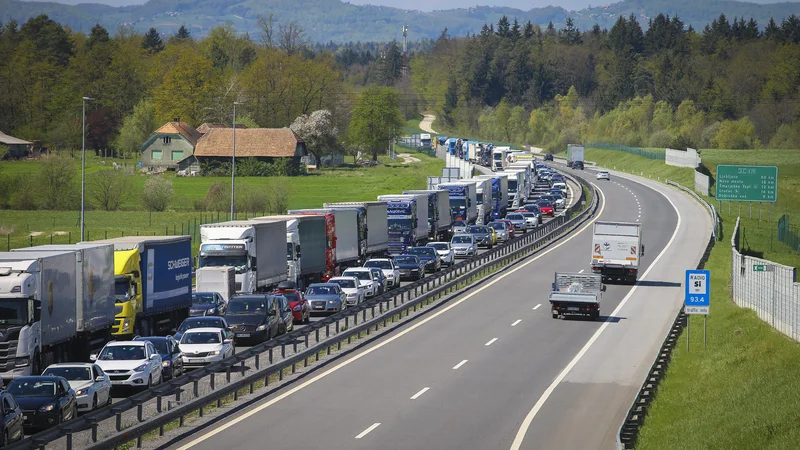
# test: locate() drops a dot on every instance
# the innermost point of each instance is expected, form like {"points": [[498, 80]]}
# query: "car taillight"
{"points": [[631, 270]]}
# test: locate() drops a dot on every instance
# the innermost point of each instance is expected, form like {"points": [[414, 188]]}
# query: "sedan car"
{"points": [[207, 304], [559, 199], [131, 363], [45, 401], [483, 235], [603, 175], [531, 219], [203, 346], [512, 230], [365, 277], [353, 291], [464, 245], [428, 256], [170, 352], [301, 310], [254, 317], [561, 186], [389, 270], [458, 227], [446, 254], [546, 207], [411, 267], [501, 228], [12, 428], [91, 385], [534, 208], [518, 220], [287, 324], [327, 297], [201, 322]]}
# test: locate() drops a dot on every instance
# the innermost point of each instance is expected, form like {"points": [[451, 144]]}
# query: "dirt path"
{"points": [[425, 124], [407, 158]]}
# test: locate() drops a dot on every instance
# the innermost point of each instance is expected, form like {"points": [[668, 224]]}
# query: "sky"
{"points": [[431, 5]]}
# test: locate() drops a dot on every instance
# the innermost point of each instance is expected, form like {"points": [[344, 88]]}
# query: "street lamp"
{"points": [[83, 169], [233, 160]]}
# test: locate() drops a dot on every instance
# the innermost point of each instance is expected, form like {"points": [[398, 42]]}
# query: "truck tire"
{"points": [[555, 316]]}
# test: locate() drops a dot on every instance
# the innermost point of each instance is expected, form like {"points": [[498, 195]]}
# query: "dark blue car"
{"points": [[45, 401], [171, 356], [428, 257], [410, 266]]}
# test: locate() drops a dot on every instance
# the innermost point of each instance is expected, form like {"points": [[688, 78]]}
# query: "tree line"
{"points": [[733, 84]]}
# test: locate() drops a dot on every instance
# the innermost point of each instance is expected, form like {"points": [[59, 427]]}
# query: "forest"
{"points": [[734, 84]]}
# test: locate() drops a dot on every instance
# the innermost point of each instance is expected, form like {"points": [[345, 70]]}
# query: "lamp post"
{"points": [[233, 161], [83, 169]]}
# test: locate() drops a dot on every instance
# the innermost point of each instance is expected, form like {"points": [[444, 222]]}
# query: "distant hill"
{"points": [[334, 20]]}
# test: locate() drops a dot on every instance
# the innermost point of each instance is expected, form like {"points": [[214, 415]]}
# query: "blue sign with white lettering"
{"points": [[698, 295]]}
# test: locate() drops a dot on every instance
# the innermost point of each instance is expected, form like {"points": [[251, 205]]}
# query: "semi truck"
{"points": [[56, 306], [407, 220], [576, 294], [500, 158], [483, 197], [346, 240], [425, 140], [463, 200], [516, 185], [525, 167], [372, 225], [306, 247], [439, 216], [216, 279], [152, 284], [574, 153], [499, 194], [616, 250], [254, 250]]}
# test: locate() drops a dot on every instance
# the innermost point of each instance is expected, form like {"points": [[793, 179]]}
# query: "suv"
{"points": [[577, 165], [390, 271], [428, 256], [365, 277], [548, 157]]}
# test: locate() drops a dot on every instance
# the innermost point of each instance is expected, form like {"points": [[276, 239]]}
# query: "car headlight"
{"points": [[298, 308], [213, 353], [332, 302], [80, 392], [261, 327], [351, 295], [166, 363], [47, 408], [22, 362], [391, 275], [140, 368], [211, 310], [126, 323]]}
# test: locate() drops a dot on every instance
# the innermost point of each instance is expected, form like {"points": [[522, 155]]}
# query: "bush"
{"points": [[683, 141], [217, 198], [109, 189], [661, 139], [786, 137], [736, 135], [56, 186], [157, 193], [709, 133], [23, 196], [251, 200]]}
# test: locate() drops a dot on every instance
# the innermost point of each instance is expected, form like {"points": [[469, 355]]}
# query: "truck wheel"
{"points": [[555, 316]]}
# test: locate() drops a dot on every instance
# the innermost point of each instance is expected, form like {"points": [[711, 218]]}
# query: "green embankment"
{"points": [[742, 390]]}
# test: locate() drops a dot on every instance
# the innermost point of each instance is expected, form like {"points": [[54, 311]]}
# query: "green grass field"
{"points": [[740, 391], [20, 228]]}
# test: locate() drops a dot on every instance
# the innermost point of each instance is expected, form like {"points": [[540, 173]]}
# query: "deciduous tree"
{"points": [[376, 119]]}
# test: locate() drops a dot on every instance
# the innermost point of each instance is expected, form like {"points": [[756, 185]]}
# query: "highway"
{"points": [[492, 369]]}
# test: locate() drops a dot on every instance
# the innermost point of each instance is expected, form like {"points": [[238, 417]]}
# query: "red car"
{"points": [[511, 231], [301, 310], [546, 207]]}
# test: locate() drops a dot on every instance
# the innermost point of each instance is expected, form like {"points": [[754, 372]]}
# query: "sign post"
{"points": [[697, 299]]}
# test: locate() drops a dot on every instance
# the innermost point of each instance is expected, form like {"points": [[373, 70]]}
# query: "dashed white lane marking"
{"points": [[460, 364], [418, 394], [537, 306], [580, 271], [490, 342], [368, 430], [515, 323]]}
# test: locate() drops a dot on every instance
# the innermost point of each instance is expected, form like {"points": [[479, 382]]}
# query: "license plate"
{"points": [[25, 418], [243, 335], [573, 308], [118, 382], [196, 360], [317, 307]]}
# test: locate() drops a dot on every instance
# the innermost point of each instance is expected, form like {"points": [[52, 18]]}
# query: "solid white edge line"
{"points": [[456, 367], [526, 423], [418, 394], [537, 306], [517, 322], [368, 430], [411, 328], [491, 342]]}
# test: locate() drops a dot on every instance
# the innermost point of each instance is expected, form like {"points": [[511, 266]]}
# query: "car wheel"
{"points": [[555, 316], [109, 400], [74, 414], [149, 381], [5, 439], [307, 318]]}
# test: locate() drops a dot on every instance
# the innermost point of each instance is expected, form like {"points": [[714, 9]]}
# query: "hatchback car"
{"points": [[200, 322], [483, 235], [561, 186], [301, 310], [365, 277], [207, 304], [464, 245], [501, 228], [287, 317], [12, 428], [254, 317], [91, 385], [512, 230], [603, 175], [531, 219], [411, 267], [130, 363], [353, 291], [548, 157], [518, 220], [45, 401], [428, 256], [458, 227], [327, 297], [170, 352], [204, 346], [534, 208], [546, 207], [446, 254]]}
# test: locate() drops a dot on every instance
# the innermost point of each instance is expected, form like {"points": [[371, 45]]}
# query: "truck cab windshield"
{"points": [[399, 224], [512, 185], [239, 262], [122, 289], [458, 203], [13, 313], [480, 197]]}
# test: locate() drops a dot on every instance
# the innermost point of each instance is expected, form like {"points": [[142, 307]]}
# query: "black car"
{"points": [[200, 322], [45, 401], [254, 317], [410, 267], [171, 356], [533, 208], [428, 257], [548, 157], [207, 304], [482, 234], [577, 165], [12, 419]]}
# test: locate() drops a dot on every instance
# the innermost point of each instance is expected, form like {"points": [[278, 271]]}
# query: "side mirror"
{"points": [[154, 356], [228, 341], [100, 379], [603, 288], [176, 349], [272, 312], [93, 357], [642, 250]]}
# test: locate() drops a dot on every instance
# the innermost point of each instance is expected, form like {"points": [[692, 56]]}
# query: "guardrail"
{"points": [[628, 433], [711, 210], [151, 410]]}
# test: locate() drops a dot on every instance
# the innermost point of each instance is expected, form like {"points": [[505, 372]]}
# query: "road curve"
{"points": [[469, 374]]}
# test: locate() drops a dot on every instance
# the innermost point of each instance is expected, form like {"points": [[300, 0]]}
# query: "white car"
{"points": [[603, 175], [352, 288], [203, 346], [92, 386], [531, 219], [390, 271], [561, 187], [364, 276], [446, 253], [130, 363]]}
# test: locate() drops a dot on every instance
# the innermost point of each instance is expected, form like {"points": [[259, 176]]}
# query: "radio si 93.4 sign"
{"points": [[698, 297]]}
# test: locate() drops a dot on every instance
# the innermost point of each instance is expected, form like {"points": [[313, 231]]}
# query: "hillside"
{"points": [[334, 20]]}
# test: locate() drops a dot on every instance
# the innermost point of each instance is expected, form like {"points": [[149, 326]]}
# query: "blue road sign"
{"points": [[698, 297]]}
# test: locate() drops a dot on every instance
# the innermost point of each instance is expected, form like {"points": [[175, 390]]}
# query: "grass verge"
{"points": [[741, 390]]}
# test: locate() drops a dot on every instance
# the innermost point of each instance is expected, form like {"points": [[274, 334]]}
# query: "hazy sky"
{"points": [[430, 5]]}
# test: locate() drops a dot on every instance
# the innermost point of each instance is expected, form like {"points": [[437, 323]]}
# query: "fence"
{"points": [[702, 183], [768, 288], [682, 158], [650, 154], [788, 234]]}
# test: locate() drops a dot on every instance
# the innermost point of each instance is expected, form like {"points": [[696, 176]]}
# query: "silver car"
{"points": [[464, 245], [459, 226], [446, 253], [531, 219], [501, 229], [518, 220]]}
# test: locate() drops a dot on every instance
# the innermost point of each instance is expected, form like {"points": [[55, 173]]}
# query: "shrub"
{"points": [[157, 193], [737, 135], [661, 139], [786, 137]]}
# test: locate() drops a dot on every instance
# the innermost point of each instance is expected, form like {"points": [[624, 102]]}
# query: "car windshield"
{"points": [[497, 225], [462, 240], [291, 296], [439, 246], [159, 344], [459, 223], [247, 306], [202, 298], [70, 373], [320, 290], [360, 274], [201, 337], [122, 353], [544, 203], [32, 388], [515, 217], [422, 251], [477, 229], [528, 214], [345, 283], [200, 323], [379, 264], [407, 260]]}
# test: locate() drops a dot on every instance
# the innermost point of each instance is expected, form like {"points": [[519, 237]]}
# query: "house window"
{"points": [[156, 154], [177, 155], [166, 139]]}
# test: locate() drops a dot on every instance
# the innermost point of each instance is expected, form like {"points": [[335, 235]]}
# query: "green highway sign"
{"points": [[762, 268], [747, 183]]}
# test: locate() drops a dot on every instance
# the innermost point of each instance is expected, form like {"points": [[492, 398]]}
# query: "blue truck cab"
{"points": [[402, 218]]}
